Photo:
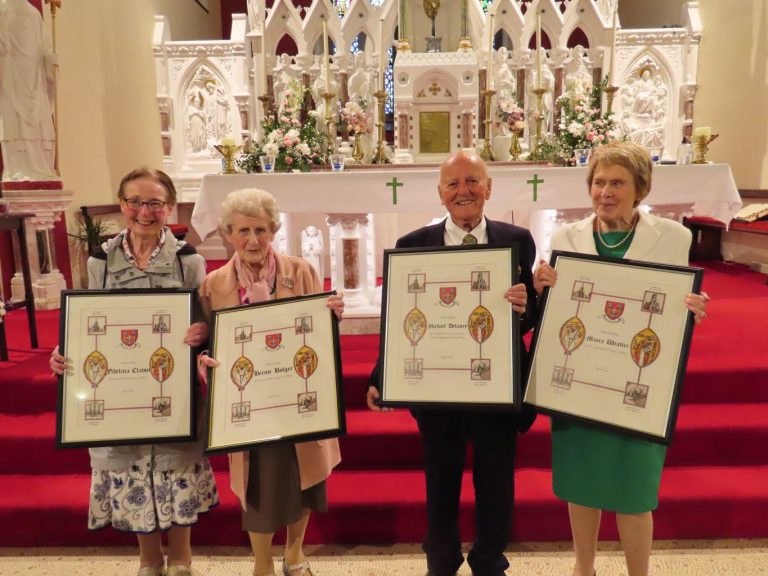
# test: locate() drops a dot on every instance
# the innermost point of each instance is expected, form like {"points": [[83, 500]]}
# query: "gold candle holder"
{"points": [[537, 155], [380, 156], [487, 153], [514, 146], [329, 124], [701, 146], [228, 151], [610, 93]]}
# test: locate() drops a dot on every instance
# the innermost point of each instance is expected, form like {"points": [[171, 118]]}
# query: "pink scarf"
{"points": [[255, 285]]}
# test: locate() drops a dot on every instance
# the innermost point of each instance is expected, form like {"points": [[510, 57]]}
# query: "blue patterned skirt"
{"points": [[137, 499]]}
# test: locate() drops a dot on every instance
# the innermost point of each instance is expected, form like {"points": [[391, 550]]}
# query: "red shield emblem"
{"points": [[273, 341], [129, 337], [614, 310], [447, 295]]}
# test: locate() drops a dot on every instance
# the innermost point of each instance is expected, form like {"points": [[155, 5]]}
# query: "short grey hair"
{"points": [[249, 202]]}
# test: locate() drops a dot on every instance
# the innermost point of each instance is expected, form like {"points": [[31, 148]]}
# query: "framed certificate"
{"points": [[130, 375], [448, 335], [279, 377], [612, 343]]}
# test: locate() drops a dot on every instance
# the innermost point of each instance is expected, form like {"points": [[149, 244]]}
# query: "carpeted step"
{"points": [[706, 434], [388, 506]]}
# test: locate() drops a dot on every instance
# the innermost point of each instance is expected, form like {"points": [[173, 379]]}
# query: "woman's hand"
{"points": [[544, 276], [372, 399], [57, 362], [697, 303], [518, 297], [203, 363], [197, 334], [336, 303]]}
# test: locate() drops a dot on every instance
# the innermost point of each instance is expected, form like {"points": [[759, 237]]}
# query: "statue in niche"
{"points": [[312, 248], [359, 83], [217, 121], [284, 75], [255, 15], [505, 78], [644, 113], [195, 129], [531, 83], [27, 81], [578, 77], [208, 117]]}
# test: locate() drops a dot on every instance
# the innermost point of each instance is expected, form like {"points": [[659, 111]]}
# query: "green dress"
{"points": [[600, 468]]}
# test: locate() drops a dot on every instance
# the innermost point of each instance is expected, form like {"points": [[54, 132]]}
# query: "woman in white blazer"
{"points": [[595, 469]]}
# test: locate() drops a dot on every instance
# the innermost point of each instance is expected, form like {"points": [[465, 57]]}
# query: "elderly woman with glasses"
{"points": [[278, 484], [148, 488], [595, 469]]}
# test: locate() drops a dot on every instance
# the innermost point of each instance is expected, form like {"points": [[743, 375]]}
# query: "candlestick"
{"points": [[489, 80], [538, 50], [264, 60], [611, 66], [325, 56], [383, 52]]}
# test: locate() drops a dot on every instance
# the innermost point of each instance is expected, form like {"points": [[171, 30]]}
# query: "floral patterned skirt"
{"points": [[137, 499]]}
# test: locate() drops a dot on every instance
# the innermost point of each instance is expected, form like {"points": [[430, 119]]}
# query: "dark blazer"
{"points": [[499, 234]]}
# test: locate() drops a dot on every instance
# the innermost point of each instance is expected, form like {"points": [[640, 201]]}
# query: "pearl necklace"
{"points": [[624, 239]]}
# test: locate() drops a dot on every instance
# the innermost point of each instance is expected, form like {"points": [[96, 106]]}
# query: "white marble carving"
{"points": [[208, 115], [312, 248], [27, 78], [644, 102]]}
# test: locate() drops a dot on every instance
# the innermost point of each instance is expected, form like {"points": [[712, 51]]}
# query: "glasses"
{"points": [[136, 204]]}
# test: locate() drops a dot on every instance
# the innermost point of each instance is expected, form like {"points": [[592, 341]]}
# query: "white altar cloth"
{"points": [[709, 187]]}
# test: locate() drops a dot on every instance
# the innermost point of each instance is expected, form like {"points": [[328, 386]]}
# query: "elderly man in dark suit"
{"points": [[463, 189]]}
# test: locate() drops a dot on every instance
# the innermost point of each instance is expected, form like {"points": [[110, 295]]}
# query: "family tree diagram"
{"points": [[479, 324], [241, 373], [643, 348], [158, 366]]}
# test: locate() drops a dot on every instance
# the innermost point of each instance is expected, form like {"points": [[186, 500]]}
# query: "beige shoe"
{"points": [[300, 569], [179, 571], [151, 571]]}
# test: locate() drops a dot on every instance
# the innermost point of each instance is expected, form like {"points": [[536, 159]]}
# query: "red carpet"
{"points": [[715, 484]]}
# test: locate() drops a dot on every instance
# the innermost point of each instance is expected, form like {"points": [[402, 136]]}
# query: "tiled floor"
{"points": [[683, 558]]}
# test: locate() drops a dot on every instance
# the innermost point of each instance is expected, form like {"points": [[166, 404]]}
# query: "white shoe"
{"points": [[179, 571], [300, 569], [151, 571]]}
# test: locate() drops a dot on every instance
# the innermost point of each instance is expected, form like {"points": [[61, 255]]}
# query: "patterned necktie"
{"points": [[469, 239]]}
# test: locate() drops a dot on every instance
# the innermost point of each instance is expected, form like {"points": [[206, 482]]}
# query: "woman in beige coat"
{"points": [[278, 485]]}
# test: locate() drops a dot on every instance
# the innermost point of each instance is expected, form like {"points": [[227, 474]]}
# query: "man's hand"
{"points": [[372, 398], [57, 362]]}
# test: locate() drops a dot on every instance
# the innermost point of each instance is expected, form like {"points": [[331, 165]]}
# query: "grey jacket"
{"points": [[176, 266]]}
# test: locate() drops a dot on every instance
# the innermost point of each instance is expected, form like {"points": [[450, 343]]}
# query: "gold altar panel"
{"points": [[434, 133]]}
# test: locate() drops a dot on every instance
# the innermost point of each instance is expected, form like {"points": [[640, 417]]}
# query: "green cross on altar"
{"points": [[535, 181], [395, 184]]}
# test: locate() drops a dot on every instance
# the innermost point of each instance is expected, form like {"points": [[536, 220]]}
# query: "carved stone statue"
{"points": [[195, 133], [208, 117], [312, 248], [27, 80], [284, 74], [505, 78], [644, 114], [359, 83], [578, 77], [255, 15], [217, 121]]}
